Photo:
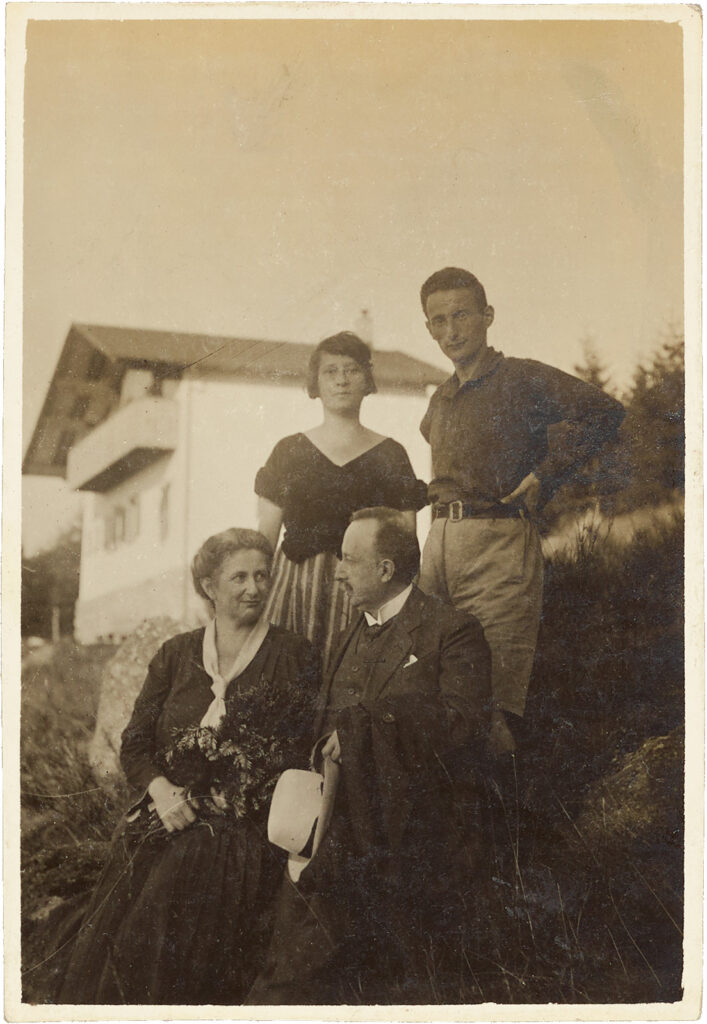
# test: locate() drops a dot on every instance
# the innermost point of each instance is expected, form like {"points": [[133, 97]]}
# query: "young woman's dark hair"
{"points": [[346, 343]]}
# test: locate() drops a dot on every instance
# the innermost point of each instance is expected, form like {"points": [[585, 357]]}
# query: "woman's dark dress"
{"points": [[317, 498], [182, 918]]}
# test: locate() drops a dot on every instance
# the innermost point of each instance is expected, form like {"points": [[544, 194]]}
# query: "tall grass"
{"points": [[67, 820], [609, 670], [584, 899], [576, 883]]}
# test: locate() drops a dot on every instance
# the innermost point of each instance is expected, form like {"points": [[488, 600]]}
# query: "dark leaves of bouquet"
{"points": [[229, 772]]}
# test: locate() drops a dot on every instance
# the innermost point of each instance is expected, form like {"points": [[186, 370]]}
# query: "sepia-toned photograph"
{"points": [[346, 472]]}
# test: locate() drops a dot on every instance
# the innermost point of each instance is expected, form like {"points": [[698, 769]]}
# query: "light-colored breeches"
{"points": [[492, 568]]}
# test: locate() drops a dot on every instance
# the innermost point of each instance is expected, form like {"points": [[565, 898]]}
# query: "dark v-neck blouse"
{"points": [[317, 496]]}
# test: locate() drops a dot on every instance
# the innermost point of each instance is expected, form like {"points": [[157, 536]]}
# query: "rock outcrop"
{"points": [[641, 800], [121, 681]]}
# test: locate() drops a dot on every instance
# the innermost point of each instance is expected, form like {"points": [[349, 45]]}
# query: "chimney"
{"points": [[364, 327]]}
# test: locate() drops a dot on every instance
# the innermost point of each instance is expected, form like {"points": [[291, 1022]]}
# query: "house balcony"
{"points": [[130, 439]]}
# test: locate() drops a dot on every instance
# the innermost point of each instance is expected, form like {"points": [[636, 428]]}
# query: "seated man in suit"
{"points": [[405, 706]]}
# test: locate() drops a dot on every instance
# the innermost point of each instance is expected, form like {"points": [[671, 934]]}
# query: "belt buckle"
{"points": [[456, 511]]}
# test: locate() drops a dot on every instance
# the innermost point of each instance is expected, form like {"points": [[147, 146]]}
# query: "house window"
{"points": [[109, 530], [164, 512], [96, 365], [132, 519], [119, 519], [115, 527], [79, 407]]}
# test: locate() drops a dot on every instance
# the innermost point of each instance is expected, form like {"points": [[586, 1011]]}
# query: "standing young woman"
{"points": [[313, 482]]}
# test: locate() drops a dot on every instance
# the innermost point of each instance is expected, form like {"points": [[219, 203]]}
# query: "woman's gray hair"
{"points": [[213, 552]]}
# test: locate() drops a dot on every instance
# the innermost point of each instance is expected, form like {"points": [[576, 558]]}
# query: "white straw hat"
{"points": [[294, 809], [300, 811]]}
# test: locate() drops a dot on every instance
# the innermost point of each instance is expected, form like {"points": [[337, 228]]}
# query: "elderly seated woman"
{"points": [[179, 912]]}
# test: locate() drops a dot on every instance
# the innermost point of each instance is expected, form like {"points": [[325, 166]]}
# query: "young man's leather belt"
{"points": [[456, 510]]}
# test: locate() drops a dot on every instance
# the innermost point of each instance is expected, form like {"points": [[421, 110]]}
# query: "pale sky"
{"points": [[271, 178]]}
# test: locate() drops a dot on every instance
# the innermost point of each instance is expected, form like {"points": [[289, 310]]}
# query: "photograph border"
{"points": [[17, 17]]}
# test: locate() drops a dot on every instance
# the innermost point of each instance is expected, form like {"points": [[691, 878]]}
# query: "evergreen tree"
{"points": [[655, 425], [592, 370], [645, 464], [50, 579]]}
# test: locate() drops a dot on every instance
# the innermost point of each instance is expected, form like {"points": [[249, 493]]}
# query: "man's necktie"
{"points": [[374, 631]]}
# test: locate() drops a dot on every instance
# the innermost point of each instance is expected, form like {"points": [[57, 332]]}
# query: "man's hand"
{"points": [[500, 737], [171, 804], [527, 491], [332, 748]]}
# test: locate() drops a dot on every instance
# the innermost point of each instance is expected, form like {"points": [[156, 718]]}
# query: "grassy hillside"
{"points": [[66, 819], [586, 898], [579, 897]]}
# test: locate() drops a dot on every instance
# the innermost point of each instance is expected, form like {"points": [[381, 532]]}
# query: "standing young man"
{"points": [[505, 433]]}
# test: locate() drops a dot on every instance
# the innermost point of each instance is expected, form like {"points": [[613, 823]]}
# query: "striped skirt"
{"points": [[306, 599]]}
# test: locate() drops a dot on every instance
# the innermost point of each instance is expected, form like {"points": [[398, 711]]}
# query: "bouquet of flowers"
{"points": [[233, 769], [229, 772], [225, 773]]}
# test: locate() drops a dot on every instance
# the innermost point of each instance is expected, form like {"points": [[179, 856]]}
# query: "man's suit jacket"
{"points": [[387, 875], [429, 695]]}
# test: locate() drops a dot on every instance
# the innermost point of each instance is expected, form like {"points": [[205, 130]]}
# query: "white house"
{"points": [[164, 433]]}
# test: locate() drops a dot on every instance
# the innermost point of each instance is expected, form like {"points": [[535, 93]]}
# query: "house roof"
{"points": [[85, 387]]}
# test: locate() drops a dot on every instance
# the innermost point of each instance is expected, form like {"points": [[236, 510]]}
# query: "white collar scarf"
{"points": [[219, 684]]}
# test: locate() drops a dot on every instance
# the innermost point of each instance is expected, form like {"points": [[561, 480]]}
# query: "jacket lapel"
{"points": [[399, 644]]}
